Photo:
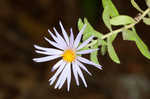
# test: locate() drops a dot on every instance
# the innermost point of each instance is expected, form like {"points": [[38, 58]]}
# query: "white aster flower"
{"points": [[69, 50]]}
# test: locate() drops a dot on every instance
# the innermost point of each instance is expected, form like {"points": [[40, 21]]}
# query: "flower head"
{"points": [[69, 50]]}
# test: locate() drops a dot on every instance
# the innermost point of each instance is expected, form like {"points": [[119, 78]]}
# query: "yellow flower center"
{"points": [[69, 55]]}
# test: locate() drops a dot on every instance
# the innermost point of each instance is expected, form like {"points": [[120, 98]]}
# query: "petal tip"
{"points": [[60, 23], [34, 59], [100, 67], [49, 30], [52, 70], [35, 46], [68, 89], [86, 86], [90, 74], [45, 38]]}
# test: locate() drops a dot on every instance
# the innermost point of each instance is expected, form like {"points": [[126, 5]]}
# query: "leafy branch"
{"points": [[137, 20], [111, 17]]}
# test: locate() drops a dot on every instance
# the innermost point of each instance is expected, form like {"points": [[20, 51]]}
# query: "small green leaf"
{"points": [[112, 53], [128, 35], [109, 11], [133, 36], [93, 55], [141, 45], [143, 48], [105, 3], [148, 3], [121, 20], [80, 24], [89, 30], [103, 46], [146, 21], [112, 9], [103, 49], [148, 15], [135, 5], [112, 37], [106, 18]]}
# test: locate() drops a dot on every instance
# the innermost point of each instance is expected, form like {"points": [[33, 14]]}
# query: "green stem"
{"points": [[128, 26]]}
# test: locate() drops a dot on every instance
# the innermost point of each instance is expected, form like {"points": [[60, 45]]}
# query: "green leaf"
{"points": [[106, 18], [148, 3], [93, 55], [112, 53], [141, 45], [133, 36], [135, 5], [148, 15], [143, 48], [80, 24], [105, 3], [121, 20], [146, 21], [109, 11], [128, 35], [103, 46], [103, 49], [89, 30], [112, 9], [112, 37]]}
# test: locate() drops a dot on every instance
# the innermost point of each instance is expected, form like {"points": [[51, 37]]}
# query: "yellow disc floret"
{"points": [[69, 55]]}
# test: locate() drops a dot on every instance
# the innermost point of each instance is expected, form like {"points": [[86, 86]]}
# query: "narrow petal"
{"points": [[50, 52], [83, 67], [57, 65], [86, 51], [44, 53], [60, 43], [85, 43], [62, 77], [42, 48], [53, 36], [71, 38], [86, 61], [78, 38], [45, 59], [74, 69], [69, 78], [81, 75], [60, 39], [64, 33], [59, 70], [54, 44]]}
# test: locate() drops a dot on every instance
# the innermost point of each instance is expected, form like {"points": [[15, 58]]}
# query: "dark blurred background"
{"points": [[25, 22]]}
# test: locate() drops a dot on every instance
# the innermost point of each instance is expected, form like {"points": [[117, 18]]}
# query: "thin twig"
{"points": [[128, 26]]}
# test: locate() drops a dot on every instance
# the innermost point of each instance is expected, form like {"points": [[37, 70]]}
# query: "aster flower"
{"points": [[69, 50]]}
